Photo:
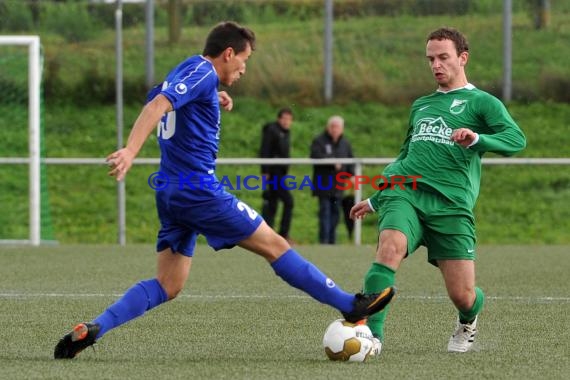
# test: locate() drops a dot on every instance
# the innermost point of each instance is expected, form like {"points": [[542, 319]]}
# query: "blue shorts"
{"points": [[218, 215]]}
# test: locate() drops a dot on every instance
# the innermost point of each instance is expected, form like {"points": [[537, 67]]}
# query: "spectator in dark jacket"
{"points": [[330, 144], [275, 144]]}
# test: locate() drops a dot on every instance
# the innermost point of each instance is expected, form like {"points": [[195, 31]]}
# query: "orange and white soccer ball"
{"points": [[345, 341]]}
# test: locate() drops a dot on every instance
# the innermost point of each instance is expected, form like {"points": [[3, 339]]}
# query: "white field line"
{"points": [[534, 299]]}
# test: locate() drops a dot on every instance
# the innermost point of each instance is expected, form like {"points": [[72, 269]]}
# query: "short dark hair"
{"points": [[445, 33], [228, 34], [284, 111]]}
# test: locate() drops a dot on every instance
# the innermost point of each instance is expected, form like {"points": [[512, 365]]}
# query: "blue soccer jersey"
{"points": [[194, 202], [189, 135]]}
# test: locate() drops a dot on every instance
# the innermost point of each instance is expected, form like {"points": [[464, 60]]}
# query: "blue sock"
{"points": [[135, 302], [301, 274]]}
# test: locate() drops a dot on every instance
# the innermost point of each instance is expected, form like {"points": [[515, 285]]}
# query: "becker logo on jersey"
{"points": [[435, 130]]}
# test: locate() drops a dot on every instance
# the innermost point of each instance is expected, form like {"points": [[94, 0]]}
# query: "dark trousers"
{"points": [[329, 213], [271, 196], [347, 203]]}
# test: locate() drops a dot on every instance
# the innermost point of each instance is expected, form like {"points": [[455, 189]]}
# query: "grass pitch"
{"points": [[236, 320]]}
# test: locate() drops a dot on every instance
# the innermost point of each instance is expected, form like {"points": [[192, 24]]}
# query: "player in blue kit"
{"points": [[186, 108]]}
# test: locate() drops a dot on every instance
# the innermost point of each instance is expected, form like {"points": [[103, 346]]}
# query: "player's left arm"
{"points": [[225, 100], [504, 136], [361, 209]]}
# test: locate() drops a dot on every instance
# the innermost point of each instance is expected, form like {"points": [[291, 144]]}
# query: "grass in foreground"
{"points": [[236, 320]]}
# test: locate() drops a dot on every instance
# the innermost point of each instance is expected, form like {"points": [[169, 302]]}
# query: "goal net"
{"points": [[24, 212]]}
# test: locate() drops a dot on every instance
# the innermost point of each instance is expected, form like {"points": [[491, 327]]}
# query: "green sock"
{"points": [[378, 278], [469, 315]]}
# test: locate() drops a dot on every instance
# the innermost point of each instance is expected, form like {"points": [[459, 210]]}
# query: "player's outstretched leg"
{"points": [[82, 336], [141, 297], [366, 305], [303, 275]]}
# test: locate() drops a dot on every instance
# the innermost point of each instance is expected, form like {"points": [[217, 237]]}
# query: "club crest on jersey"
{"points": [[457, 106], [181, 88]]}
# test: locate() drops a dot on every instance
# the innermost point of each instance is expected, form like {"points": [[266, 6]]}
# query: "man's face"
{"points": [[234, 65], [335, 130], [285, 120], [446, 66]]}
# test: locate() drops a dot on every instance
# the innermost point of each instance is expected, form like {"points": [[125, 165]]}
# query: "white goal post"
{"points": [[34, 82]]}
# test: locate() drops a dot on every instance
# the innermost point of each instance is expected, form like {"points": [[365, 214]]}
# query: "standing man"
{"points": [[346, 204], [186, 108], [448, 133], [275, 143], [330, 144]]}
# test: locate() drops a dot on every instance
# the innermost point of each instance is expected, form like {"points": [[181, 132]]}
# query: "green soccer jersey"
{"points": [[445, 166]]}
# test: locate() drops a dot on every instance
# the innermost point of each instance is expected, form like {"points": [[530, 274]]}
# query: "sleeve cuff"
{"points": [[475, 141], [370, 205]]}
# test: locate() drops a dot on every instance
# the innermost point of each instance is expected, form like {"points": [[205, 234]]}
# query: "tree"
{"points": [[174, 24], [541, 13]]}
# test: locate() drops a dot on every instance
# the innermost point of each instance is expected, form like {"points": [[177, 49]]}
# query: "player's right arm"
{"points": [[361, 209], [404, 148], [372, 202], [121, 160]]}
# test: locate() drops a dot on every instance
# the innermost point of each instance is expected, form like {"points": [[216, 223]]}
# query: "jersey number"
{"points": [[252, 213], [167, 126]]}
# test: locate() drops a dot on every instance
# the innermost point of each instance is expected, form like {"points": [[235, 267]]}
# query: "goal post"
{"points": [[34, 83]]}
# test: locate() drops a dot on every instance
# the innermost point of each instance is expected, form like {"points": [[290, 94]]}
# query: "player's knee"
{"points": [[463, 298], [172, 290], [173, 293], [392, 249]]}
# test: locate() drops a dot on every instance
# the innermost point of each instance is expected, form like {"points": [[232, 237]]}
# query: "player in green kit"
{"points": [[449, 130]]}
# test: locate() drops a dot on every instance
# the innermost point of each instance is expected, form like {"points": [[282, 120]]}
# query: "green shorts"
{"points": [[427, 218]]}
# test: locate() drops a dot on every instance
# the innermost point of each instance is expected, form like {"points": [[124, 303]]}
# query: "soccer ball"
{"points": [[347, 341]]}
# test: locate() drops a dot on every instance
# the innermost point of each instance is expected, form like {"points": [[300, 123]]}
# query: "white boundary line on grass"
{"points": [[535, 299]]}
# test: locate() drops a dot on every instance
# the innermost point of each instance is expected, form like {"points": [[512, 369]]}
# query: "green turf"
{"points": [[236, 320]]}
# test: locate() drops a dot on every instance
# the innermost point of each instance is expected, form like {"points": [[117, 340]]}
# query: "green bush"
{"points": [[555, 87], [70, 20], [15, 93], [104, 14], [374, 56], [15, 17]]}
